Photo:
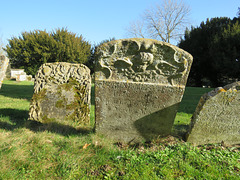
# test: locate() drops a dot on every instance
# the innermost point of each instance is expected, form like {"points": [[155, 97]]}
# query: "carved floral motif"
{"points": [[61, 91], [142, 60]]}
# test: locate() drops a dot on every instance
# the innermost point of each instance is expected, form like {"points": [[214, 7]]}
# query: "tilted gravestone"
{"points": [[61, 94], [217, 117], [138, 86], [4, 61]]}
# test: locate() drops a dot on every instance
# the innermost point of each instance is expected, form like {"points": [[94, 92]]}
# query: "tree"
{"points": [[165, 21], [32, 49], [215, 46], [238, 12]]}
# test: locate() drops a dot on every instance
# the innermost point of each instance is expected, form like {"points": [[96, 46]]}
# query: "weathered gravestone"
{"points": [[61, 94], [138, 86], [3, 68], [217, 117]]}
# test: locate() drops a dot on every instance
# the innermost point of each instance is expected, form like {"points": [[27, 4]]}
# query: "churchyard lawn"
{"points": [[31, 150]]}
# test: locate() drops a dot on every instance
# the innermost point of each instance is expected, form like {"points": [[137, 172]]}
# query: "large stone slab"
{"points": [[217, 117], [62, 94], [138, 86], [4, 61]]}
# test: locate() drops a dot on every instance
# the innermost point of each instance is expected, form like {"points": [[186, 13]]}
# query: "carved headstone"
{"points": [[217, 117], [138, 86], [4, 61], [61, 94]]}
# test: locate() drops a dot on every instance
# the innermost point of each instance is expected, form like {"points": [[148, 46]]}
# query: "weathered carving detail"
{"points": [[61, 91], [139, 60], [138, 86]]}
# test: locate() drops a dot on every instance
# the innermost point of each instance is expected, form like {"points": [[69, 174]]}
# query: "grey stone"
{"points": [[4, 61], [139, 84], [62, 94], [8, 71], [216, 118]]}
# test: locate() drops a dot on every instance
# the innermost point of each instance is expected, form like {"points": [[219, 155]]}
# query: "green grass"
{"points": [[15, 99], [35, 151], [186, 109], [191, 98]]}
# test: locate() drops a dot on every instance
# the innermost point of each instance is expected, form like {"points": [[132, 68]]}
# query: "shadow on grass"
{"points": [[17, 91], [56, 128], [180, 131], [17, 118], [12, 119]]}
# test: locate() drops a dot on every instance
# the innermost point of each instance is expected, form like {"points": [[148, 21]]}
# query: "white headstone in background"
{"points": [[16, 72], [21, 77]]}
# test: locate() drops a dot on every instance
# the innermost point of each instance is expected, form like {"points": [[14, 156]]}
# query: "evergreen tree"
{"points": [[215, 46], [32, 49]]}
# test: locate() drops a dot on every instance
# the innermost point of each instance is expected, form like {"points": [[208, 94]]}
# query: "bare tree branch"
{"points": [[136, 29], [164, 21]]}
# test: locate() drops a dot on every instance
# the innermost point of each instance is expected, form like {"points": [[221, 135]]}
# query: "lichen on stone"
{"points": [[216, 117], [139, 84], [142, 60], [62, 94]]}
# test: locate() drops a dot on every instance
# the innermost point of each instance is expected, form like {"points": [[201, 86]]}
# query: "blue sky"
{"points": [[95, 20]]}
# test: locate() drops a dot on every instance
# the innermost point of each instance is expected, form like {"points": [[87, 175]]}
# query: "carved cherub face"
{"points": [[143, 60]]}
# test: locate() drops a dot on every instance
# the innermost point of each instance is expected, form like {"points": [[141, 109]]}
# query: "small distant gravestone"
{"points": [[217, 117], [15, 73], [61, 94], [20, 75], [139, 84], [4, 61]]}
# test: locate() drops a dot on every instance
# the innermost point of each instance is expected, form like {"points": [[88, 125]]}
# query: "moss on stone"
{"points": [[80, 109], [45, 119], [60, 103], [69, 85], [40, 95]]}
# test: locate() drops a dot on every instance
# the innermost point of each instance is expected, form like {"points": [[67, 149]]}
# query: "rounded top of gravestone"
{"points": [[143, 43], [60, 72], [142, 60]]}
